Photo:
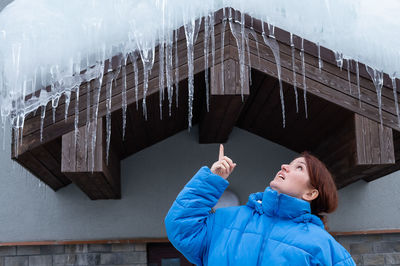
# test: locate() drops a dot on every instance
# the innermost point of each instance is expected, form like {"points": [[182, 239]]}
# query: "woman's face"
{"points": [[293, 179]]}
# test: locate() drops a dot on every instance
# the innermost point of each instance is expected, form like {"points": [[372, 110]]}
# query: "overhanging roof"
{"points": [[341, 129]]}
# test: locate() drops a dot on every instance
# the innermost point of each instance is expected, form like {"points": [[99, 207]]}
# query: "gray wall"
{"points": [[368, 206], [152, 178]]}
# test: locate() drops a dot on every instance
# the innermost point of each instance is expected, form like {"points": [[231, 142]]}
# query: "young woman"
{"points": [[280, 226]]}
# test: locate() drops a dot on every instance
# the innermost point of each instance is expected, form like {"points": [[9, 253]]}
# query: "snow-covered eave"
{"points": [[328, 82], [282, 36]]}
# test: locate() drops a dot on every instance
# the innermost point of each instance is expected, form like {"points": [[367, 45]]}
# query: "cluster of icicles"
{"points": [[168, 75]]}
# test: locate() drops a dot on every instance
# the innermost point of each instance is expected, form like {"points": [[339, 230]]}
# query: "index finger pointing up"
{"points": [[221, 152]]}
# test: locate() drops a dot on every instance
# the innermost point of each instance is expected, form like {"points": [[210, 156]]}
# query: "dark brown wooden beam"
{"points": [[374, 142], [91, 173], [44, 162], [225, 102]]}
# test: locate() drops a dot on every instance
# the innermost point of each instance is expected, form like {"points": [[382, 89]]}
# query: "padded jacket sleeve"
{"points": [[187, 220]]}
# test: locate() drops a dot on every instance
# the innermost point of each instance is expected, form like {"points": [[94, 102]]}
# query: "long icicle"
{"points": [[161, 83], [176, 68], [274, 46], [168, 72], [393, 78], [76, 120], [191, 32], [242, 62], [96, 98], [223, 26], [303, 69], [294, 72], [147, 54], [238, 34], [87, 127], [348, 61], [358, 84], [320, 63], [124, 103], [212, 33], [206, 52], [254, 34]]}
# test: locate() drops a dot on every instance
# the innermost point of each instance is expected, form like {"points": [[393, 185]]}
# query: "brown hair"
{"points": [[322, 180]]}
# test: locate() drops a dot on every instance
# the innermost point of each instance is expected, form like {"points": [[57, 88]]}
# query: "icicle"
{"points": [[393, 78], [54, 104], [15, 140], [76, 120], [358, 84], [133, 57], [377, 79], [161, 53], [271, 30], [109, 85], [254, 34], [240, 43], [191, 32], [320, 63], [87, 128], [43, 114], [294, 72], [274, 46], [212, 33], [76, 72], [161, 83], [223, 25], [4, 121], [348, 73], [96, 98], [248, 55], [67, 102], [147, 54], [206, 52], [242, 65], [339, 59], [124, 104], [168, 71], [176, 68], [303, 69]]}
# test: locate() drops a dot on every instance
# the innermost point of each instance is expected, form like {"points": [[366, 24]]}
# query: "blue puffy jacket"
{"points": [[278, 231]]}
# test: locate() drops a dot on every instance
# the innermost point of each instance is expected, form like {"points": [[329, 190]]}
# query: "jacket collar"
{"points": [[282, 205]]}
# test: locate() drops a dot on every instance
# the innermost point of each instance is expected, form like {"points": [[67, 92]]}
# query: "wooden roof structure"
{"points": [[341, 130]]}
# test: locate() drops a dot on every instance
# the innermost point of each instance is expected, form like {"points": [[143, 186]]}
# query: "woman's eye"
{"points": [[300, 167]]}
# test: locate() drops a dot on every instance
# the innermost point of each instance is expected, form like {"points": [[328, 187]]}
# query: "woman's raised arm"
{"points": [[189, 218]]}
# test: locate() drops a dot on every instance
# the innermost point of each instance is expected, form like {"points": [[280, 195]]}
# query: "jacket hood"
{"points": [[282, 205]]}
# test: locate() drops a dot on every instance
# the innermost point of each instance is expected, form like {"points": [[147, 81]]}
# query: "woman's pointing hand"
{"points": [[224, 166]]}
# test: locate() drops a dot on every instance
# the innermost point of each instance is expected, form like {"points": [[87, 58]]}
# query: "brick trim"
{"points": [[77, 242], [367, 232]]}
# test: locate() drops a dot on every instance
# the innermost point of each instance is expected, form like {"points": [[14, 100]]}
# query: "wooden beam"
{"points": [[90, 172], [226, 102], [374, 142], [44, 162]]}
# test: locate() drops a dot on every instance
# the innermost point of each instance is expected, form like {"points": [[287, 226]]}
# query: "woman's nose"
{"points": [[284, 167]]}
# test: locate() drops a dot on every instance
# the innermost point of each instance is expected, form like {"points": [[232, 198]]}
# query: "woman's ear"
{"points": [[310, 195]]}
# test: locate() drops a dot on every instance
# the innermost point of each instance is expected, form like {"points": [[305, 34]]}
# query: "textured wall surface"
{"points": [[151, 179], [82, 255], [368, 206], [379, 249]]}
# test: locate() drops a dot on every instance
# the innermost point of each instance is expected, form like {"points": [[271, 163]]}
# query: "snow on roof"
{"points": [[48, 42]]}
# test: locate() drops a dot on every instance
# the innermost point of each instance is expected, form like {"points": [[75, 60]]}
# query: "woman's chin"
{"points": [[274, 185]]}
